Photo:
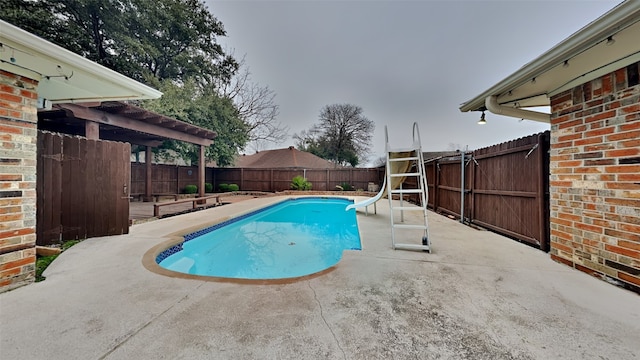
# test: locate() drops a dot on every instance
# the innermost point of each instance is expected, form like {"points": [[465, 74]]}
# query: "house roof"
{"points": [[605, 45], [64, 77], [432, 155], [283, 158], [119, 121]]}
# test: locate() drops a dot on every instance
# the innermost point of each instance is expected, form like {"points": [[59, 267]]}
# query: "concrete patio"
{"points": [[478, 295]]}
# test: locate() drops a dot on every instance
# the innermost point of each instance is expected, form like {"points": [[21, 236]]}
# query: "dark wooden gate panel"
{"points": [[448, 178], [508, 196], [74, 206], [506, 188], [49, 177], [82, 188], [431, 169]]}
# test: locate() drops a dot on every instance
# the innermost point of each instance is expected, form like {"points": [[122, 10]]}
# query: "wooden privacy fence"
{"points": [[166, 179], [81, 188], [272, 180], [506, 188], [171, 179]]}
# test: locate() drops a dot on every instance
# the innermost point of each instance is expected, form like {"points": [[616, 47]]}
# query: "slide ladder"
{"points": [[404, 163]]}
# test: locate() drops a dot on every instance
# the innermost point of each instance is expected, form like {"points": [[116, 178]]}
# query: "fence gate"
{"points": [[82, 188], [506, 188]]}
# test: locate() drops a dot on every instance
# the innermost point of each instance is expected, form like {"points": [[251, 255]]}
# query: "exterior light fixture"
{"points": [[610, 40], [482, 121], [565, 64]]}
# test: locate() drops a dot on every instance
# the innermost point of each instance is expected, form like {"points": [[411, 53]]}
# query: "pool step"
{"points": [[412, 247]]}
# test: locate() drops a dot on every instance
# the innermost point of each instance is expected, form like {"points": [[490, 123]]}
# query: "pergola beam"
{"points": [[132, 124]]}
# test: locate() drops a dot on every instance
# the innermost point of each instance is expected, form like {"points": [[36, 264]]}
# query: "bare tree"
{"points": [[380, 161], [256, 107], [343, 135]]}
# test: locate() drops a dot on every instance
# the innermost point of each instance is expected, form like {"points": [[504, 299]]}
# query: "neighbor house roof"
{"points": [[608, 43], [283, 158], [64, 77]]}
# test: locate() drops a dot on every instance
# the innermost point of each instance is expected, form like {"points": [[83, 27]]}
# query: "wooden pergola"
{"points": [[118, 121]]}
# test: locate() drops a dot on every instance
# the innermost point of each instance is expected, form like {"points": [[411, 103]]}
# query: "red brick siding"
{"points": [[595, 178], [18, 135]]}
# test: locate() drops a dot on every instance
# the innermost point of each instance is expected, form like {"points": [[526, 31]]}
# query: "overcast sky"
{"points": [[401, 61]]}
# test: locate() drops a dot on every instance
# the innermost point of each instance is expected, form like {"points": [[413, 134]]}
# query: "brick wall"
{"points": [[595, 177], [18, 135]]}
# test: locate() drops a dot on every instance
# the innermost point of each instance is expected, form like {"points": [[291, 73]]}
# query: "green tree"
{"points": [[176, 39], [38, 17], [162, 39], [189, 103], [342, 135], [168, 44]]}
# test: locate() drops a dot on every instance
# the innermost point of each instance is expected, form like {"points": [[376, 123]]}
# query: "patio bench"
{"points": [[196, 203], [155, 197]]}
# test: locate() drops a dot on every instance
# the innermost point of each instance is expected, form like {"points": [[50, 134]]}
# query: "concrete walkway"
{"points": [[477, 296]]}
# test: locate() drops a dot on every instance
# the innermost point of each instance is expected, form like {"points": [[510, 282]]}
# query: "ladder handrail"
{"points": [[422, 185], [417, 144]]}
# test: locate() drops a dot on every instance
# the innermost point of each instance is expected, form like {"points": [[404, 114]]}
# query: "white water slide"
{"points": [[401, 164]]}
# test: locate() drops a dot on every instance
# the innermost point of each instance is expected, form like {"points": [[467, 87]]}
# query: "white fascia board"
{"points": [[35, 56], [617, 19]]}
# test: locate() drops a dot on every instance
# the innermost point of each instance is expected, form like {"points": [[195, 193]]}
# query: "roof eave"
{"points": [[618, 18], [35, 46]]}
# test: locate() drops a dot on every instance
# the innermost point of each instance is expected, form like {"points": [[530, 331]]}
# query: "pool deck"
{"points": [[140, 211], [478, 295]]}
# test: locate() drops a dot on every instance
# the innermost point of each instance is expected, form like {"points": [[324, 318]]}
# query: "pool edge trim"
{"points": [[150, 256]]}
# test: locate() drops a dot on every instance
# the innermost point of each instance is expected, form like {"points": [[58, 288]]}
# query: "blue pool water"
{"points": [[293, 238]]}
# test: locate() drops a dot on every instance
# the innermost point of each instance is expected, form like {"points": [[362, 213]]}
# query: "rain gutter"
{"points": [[491, 103]]}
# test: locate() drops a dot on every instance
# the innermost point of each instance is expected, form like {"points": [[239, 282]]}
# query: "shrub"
{"points": [[42, 262], [234, 187], [300, 183], [208, 187], [223, 187], [344, 187], [190, 189], [41, 265], [68, 244]]}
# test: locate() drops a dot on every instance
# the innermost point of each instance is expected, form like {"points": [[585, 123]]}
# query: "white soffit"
{"points": [[64, 77], [587, 53], [593, 63]]}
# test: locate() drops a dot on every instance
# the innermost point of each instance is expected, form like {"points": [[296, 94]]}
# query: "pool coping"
{"points": [[149, 259]]}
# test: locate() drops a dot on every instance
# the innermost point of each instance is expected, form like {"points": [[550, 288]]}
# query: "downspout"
{"points": [[491, 102]]}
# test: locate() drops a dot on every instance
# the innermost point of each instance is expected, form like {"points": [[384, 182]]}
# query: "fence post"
{"points": [[327, 179], [148, 179], [436, 176], [542, 224], [177, 167], [462, 157], [472, 187]]}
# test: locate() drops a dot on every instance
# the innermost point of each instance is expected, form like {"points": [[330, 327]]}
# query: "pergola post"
{"points": [[201, 170], [148, 156], [92, 130]]}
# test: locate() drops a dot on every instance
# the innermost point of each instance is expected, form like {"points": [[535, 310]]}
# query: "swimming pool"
{"points": [[293, 238]]}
